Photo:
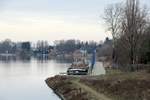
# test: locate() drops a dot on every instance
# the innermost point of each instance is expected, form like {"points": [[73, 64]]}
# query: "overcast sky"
{"points": [[22, 20]]}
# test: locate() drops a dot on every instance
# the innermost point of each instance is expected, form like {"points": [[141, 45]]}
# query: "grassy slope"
{"points": [[119, 86], [122, 86]]}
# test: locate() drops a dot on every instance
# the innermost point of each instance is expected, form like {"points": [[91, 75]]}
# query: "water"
{"points": [[24, 80]]}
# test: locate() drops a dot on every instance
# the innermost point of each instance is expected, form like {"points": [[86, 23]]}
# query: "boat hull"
{"points": [[77, 71]]}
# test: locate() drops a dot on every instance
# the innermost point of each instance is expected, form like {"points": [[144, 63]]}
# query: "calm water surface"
{"points": [[24, 80]]}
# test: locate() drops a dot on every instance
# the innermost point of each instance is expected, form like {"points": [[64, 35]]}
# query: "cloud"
{"points": [[52, 19]]}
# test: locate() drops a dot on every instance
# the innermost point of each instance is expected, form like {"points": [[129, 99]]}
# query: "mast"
{"points": [[93, 60]]}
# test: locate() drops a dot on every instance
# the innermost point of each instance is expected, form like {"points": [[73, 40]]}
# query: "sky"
{"points": [[32, 20]]}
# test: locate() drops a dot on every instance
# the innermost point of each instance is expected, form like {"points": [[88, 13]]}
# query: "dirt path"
{"points": [[97, 95]]}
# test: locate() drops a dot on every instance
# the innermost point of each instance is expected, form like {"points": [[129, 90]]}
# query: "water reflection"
{"points": [[42, 57], [23, 79], [39, 58], [7, 58], [14, 58]]}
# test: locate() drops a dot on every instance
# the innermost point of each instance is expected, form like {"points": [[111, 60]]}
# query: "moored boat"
{"points": [[78, 68], [81, 66]]}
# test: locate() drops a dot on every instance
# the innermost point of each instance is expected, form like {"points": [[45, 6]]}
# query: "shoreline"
{"points": [[103, 87], [57, 93], [69, 88]]}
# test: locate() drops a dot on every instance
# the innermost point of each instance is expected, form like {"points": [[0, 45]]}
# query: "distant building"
{"points": [[26, 46]]}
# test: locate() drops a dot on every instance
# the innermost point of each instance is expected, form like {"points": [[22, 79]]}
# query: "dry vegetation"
{"points": [[64, 88], [129, 86], [120, 86]]}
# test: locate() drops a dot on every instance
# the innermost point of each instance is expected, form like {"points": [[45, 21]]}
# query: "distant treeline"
{"points": [[7, 46], [69, 46], [60, 47], [19, 48]]}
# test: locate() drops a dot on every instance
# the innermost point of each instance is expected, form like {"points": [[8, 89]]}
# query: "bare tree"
{"points": [[133, 26], [112, 18], [127, 23]]}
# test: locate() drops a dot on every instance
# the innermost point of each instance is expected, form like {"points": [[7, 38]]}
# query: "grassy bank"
{"points": [[113, 86]]}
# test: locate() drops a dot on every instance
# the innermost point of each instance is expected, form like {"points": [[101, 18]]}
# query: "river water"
{"points": [[25, 79]]}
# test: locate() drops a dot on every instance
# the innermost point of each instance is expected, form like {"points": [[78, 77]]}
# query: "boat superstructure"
{"points": [[78, 68]]}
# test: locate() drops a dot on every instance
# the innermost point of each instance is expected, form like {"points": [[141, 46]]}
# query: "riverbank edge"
{"points": [[112, 84], [66, 88], [55, 92], [72, 88]]}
